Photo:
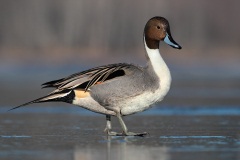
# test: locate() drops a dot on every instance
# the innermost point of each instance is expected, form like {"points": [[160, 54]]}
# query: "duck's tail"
{"points": [[63, 96]]}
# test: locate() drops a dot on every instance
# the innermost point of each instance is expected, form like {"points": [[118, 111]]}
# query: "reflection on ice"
{"points": [[122, 149], [15, 136], [202, 137]]}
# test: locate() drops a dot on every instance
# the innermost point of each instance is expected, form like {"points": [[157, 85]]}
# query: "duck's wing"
{"points": [[83, 81], [86, 79]]}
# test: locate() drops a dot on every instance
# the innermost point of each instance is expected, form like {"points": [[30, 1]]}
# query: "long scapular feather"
{"points": [[95, 78], [88, 73], [51, 83]]}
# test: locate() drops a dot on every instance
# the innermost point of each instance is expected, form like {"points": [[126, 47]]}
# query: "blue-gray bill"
{"points": [[169, 40]]}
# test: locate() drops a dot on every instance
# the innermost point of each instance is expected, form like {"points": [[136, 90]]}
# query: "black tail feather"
{"points": [[39, 100], [68, 98], [21, 105]]}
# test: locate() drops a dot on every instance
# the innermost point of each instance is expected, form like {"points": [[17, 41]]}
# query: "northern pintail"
{"points": [[119, 89]]}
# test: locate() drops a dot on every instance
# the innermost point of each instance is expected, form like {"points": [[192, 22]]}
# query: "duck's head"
{"points": [[157, 29]]}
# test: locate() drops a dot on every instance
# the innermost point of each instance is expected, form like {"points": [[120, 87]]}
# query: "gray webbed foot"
{"points": [[111, 133], [133, 134]]}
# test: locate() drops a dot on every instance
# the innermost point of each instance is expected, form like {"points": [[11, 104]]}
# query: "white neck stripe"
{"points": [[156, 59]]}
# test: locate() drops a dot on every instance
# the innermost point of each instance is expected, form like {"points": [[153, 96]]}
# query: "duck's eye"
{"points": [[158, 27]]}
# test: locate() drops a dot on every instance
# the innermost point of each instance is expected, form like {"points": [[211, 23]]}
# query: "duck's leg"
{"points": [[125, 130], [108, 128]]}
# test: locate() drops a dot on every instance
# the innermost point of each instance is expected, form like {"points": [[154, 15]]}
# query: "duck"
{"points": [[120, 89]]}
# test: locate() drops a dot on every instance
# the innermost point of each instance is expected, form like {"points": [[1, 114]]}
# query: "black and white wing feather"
{"points": [[86, 79]]}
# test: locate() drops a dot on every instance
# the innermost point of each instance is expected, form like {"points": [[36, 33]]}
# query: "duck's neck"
{"points": [[155, 61]]}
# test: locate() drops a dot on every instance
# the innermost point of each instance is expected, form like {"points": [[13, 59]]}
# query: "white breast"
{"points": [[143, 101]]}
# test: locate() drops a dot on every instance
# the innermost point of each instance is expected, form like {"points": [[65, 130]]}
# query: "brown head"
{"points": [[157, 29]]}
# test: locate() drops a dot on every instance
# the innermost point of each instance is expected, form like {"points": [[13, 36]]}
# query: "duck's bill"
{"points": [[169, 40]]}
